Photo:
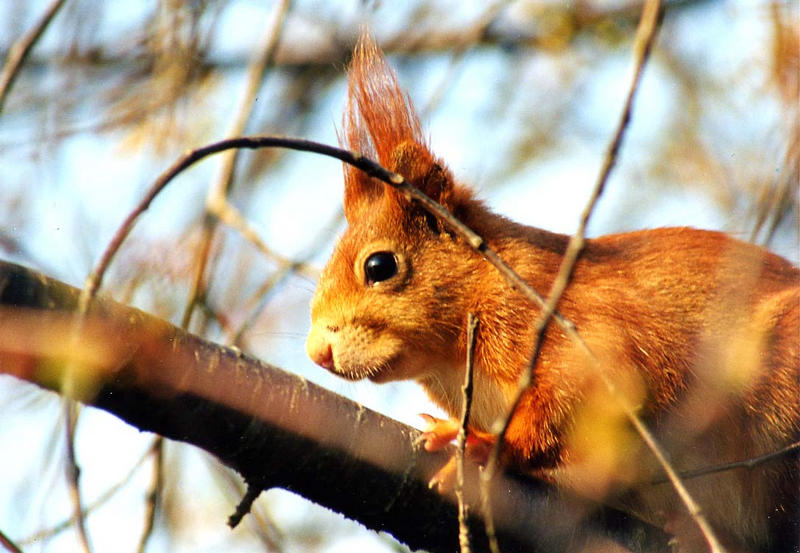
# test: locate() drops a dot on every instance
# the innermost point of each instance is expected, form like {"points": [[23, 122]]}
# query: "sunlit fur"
{"points": [[700, 331]]}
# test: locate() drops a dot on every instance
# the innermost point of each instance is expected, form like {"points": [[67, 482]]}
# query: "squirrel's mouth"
{"points": [[377, 371], [354, 373], [374, 372]]}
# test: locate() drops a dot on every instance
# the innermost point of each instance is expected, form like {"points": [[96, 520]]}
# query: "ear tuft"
{"points": [[380, 122], [377, 109]]}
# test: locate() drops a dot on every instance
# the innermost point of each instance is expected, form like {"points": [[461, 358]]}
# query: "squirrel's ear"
{"points": [[420, 168], [380, 122]]}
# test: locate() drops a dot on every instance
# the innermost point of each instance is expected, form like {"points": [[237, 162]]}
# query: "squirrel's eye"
{"points": [[380, 266]]}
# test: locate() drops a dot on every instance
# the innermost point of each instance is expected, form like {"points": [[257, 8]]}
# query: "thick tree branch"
{"points": [[274, 428]]}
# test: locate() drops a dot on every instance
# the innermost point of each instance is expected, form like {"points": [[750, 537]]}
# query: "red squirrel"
{"points": [[698, 331]]}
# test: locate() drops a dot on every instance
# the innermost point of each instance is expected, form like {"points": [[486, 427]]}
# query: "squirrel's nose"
{"points": [[324, 357], [320, 350]]}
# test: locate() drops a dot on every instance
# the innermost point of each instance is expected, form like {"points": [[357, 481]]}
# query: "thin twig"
{"points": [[300, 266], [228, 214], [486, 507], [461, 443], [688, 501], [21, 48], [101, 500], [746, 464], [6, 542], [259, 519], [199, 281], [245, 504], [645, 37], [258, 66], [154, 492], [71, 412], [217, 198]]}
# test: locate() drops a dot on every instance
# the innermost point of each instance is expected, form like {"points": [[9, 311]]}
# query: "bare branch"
{"points": [[461, 445], [21, 48]]}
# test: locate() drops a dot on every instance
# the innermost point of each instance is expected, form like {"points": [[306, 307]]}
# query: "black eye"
{"points": [[380, 266]]}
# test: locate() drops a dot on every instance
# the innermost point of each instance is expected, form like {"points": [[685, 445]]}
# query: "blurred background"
{"points": [[519, 97]]}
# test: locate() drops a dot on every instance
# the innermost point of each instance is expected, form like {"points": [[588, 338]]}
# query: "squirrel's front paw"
{"points": [[438, 432]]}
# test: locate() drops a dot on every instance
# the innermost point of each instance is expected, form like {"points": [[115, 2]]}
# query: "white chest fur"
{"points": [[490, 399]]}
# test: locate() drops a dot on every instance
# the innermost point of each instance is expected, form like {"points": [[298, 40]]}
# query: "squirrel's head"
{"points": [[384, 305]]}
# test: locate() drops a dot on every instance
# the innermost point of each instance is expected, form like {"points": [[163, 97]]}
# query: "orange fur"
{"points": [[698, 330]]}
